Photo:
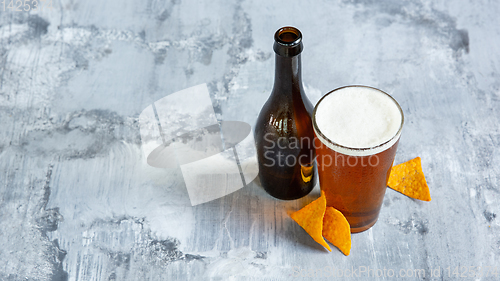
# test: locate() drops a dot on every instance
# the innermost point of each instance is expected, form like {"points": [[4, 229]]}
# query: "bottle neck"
{"points": [[288, 75]]}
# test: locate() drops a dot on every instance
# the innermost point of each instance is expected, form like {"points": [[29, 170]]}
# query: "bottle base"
{"points": [[288, 198], [286, 186]]}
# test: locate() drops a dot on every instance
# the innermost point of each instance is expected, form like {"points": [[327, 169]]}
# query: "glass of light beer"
{"points": [[357, 130]]}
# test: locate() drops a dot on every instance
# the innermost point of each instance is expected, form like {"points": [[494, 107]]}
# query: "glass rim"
{"points": [[361, 150]]}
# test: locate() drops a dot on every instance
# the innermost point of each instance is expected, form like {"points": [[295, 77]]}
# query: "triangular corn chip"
{"points": [[409, 179], [310, 218], [337, 230]]}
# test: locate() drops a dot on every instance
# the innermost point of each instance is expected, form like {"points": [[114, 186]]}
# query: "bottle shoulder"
{"points": [[283, 117]]}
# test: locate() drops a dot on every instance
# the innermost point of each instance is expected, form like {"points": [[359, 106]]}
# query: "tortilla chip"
{"points": [[409, 179], [337, 230], [310, 218]]}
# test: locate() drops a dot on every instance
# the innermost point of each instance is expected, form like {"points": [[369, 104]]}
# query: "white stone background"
{"points": [[77, 201]]}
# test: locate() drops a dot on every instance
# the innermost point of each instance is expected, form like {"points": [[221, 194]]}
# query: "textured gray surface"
{"points": [[77, 201]]}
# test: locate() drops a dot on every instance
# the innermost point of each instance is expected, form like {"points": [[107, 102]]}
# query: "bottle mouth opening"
{"points": [[288, 41], [288, 36]]}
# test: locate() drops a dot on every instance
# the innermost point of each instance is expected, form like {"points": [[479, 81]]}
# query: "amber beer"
{"points": [[357, 130]]}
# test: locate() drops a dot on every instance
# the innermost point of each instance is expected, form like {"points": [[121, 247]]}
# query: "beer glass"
{"points": [[357, 130]]}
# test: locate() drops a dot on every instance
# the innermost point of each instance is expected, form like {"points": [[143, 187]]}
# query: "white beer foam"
{"points": [[358, 121]]}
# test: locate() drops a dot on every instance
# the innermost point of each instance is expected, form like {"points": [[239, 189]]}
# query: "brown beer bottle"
{"points": [[283, 133]]}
